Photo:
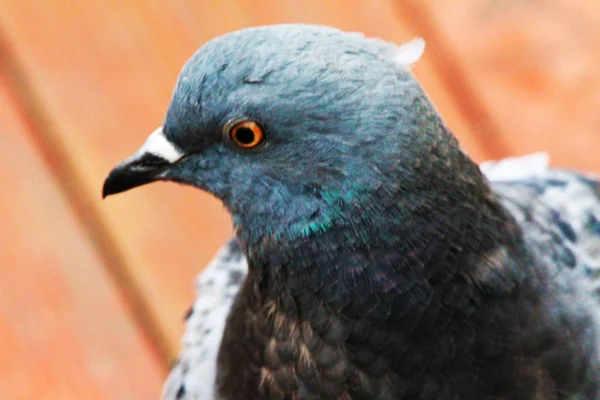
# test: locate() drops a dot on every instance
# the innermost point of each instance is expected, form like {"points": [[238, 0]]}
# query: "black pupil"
{"points": [[244, 135]]}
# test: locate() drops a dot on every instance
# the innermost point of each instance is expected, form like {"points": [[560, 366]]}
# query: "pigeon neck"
{"points": [[366, 265]]}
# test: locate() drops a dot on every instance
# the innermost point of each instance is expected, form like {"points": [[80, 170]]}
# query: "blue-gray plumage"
{"points": [[382, 264]]}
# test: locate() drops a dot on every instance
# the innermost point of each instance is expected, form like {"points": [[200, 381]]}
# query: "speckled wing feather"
{"points": [[563, 205], [193, 374]]}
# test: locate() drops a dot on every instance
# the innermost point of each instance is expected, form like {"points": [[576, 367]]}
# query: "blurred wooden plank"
{"points": [[65, 332], [533, 65], [106, 70]]}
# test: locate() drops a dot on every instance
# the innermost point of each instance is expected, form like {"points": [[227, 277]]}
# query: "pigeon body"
{"points": [[382, 264]]}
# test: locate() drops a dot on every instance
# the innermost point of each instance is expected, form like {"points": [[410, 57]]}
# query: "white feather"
{"points": [[409, 53], [515, 168]]}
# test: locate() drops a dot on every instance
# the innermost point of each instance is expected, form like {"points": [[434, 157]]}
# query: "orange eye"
{"points": [[246, 134]]}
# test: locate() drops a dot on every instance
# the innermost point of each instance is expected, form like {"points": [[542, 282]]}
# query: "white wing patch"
{"points": [[515, 168]]}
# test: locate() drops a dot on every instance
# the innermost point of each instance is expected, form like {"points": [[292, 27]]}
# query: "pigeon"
{"points": [[372, 258]]}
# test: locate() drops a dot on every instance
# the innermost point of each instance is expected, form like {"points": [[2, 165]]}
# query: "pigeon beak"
{"points": [[145, 166]]}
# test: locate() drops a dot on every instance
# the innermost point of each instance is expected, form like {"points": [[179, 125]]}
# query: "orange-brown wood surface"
{"points": [[93, 293], [66, 332]]}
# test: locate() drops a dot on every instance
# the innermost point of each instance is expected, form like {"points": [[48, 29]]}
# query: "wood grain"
{"points": [[106, 80], [65, 331], [533, 65]]}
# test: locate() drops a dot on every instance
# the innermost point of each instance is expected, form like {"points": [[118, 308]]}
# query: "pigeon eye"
{"points": [[245, 134]]}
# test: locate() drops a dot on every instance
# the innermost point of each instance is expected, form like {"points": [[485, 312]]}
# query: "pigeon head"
{"points": [[300, 128]]}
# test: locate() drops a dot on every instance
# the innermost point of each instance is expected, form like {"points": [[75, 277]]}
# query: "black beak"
{"points": [[149, 164], [134, 172]]}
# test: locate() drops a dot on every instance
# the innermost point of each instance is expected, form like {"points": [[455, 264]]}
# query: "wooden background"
{"points": [[93, 293]]}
